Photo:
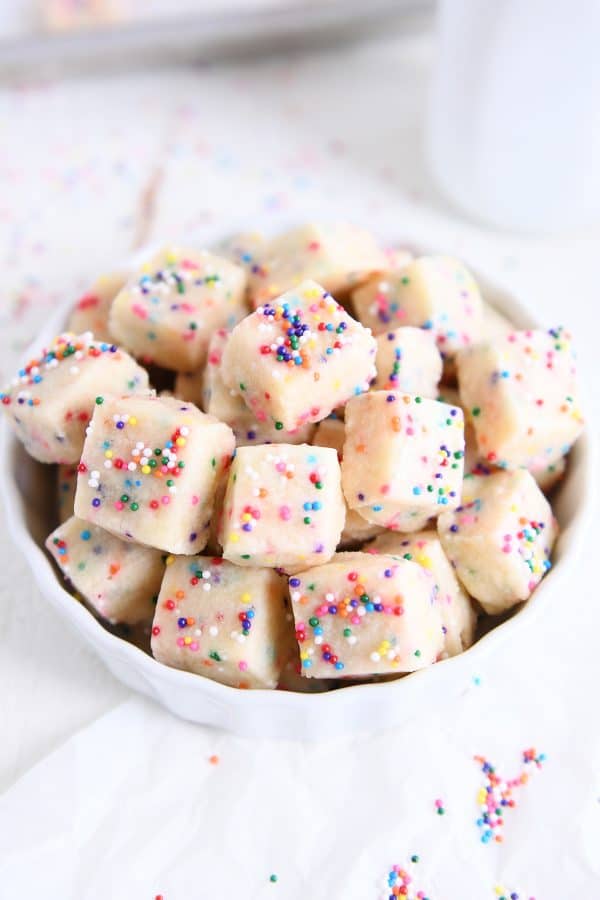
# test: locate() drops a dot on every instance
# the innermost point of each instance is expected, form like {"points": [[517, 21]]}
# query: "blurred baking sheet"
{"points": [[201, 36]]}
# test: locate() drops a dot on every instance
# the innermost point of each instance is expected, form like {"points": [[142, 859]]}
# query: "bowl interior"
{"points": [[30, 493]]}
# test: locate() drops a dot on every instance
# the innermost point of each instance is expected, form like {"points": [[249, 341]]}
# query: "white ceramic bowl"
{"points": [[28, 497]]}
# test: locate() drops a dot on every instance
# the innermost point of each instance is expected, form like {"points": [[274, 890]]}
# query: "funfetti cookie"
{"points": [[91, 311], [66, 484], [119, 580], [295, 359], [455, 607], [150, 469], [362, 614], [331, 433], [228, 406], [221, 621], [50, 401], [339, 256], [437, 293], [403, 458], [283, 507], [522, 396], [408, 360], [500, 541], [168, 310]]}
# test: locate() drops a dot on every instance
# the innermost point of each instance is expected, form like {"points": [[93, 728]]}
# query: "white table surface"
{"points": [[89, 168]]}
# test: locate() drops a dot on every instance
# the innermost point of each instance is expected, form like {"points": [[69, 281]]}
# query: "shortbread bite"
{"points": [[403, 458], [91, 311], [295, 360], [331, 433], [149, 471], [283, 507], [547, 475], [222, 621], [362, 614], [51, 400], [408, 360], [245, 249], [66, 483], [456, 610], [339, 256], [168, 310], [437, 293], [500, 541], [120, 581], [189, 386], [228, 406], [522, 396]]}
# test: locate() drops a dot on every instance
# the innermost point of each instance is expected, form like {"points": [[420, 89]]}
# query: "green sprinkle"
{"points": [[407, 556], [273, 878], [417, 400], [278, 425], [242, 386], [417, 652], [134, 507], [124, 498], [214, 655], [307, 520], [193, 326], [475, 411], [313, 621], [213, 462], [99, 401], [414, 858], [245, 556], [405, 280], [347, 632]]}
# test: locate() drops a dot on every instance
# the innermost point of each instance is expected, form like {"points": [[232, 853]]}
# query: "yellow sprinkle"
{"points": [[146, 470], [234, 538], [187, 640], [169, 560], [108, 454], [132, 420], [181, 442], [246, 598]]}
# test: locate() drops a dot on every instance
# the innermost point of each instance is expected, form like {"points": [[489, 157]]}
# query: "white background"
{"points": [[107, 795]]}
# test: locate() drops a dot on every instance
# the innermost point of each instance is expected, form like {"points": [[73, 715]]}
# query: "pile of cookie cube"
{"points": [[349, 466]]}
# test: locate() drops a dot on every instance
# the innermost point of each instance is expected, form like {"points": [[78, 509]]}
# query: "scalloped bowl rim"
{"points": [[285, 714]]}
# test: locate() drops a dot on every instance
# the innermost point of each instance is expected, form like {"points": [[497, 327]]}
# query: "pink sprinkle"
{"points": [[165, 500], [410, 431], [180, 642], [242, 665], [194, 645], [119, 505], [139, 311], [195, 500], [355, 620], [280, 467], [285, 513]]}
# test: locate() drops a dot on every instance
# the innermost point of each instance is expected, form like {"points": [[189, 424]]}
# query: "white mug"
{"points": [[514, 117]]}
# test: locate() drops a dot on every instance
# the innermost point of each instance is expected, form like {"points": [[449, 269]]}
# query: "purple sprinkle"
{"points": [[454, 528], [361, 497], [390, 398], [294, 582], [388, 573], [193, 536], [96, 501]]}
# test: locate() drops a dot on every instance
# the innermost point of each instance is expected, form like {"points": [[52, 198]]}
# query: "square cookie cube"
{"points": [[295, 360], [66, 484], [227, 405], [408, 360], [168, 310], [361, 614], [522, 396], [331, 433], [500, 542], [120, 581], [51, 400], [283, 506], [149, 471], [456, 610], [403, 458], [91, 311], [339, 256], [437, 293], [219, 620]]}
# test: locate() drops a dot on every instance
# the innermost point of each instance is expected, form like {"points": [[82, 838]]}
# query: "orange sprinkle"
{"points": [[214, 760]]}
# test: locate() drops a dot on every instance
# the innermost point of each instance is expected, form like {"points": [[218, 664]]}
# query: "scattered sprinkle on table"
{"points": [[495, 797], [214, 760]]}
